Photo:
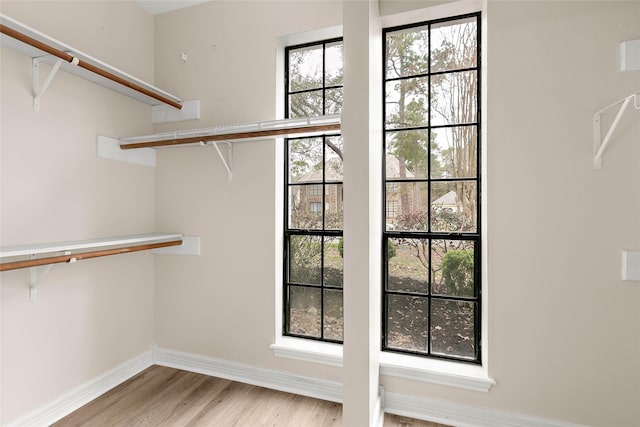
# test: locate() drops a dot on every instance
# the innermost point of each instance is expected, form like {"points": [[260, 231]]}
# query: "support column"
{"points": [[361, 130]]}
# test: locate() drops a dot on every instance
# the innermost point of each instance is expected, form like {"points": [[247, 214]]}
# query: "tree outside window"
{"points": [[431, 142], [314, 221]]}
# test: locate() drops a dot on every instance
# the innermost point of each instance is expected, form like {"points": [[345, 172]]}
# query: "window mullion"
{"points": [[447, 231]]}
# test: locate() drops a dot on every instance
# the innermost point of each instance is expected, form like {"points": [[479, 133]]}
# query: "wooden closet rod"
{"points": [[71, 59], [84, 255], [232, 136]]}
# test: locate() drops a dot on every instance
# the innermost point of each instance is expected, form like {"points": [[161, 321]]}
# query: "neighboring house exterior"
{"points": [[307, 198], [447, 202]]}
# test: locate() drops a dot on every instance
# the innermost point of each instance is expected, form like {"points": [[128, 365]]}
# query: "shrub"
{"points": [[457, 272]]}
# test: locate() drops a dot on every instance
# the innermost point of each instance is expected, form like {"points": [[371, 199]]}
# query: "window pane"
{"points": [[315, 191], [333, 262], [454, 98], [406, 52], [305, 104], [333, 316], [411, 198], [406, 103], [305, 68], [452, 328], [334, 54], [333, 216], [432, 179], [304, 212], [408, 265], [333, 101], [305, 160], [391, 209], [305, 254], [452, 268], [454, 45], [454, 152], [454, 206], [304, 311], [407, 322], [334, 149], [407, 153]]}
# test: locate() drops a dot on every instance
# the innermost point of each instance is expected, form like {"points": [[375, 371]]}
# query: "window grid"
{"points": [[427, 240], [323, 233]]}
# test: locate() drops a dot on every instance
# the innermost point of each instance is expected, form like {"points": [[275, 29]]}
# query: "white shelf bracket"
{"points": [[38, 92], [599, 144], [228, 161], [33, 278]]}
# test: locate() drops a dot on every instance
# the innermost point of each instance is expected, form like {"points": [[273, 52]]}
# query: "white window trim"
{"points": [[288, 346], [324, 353], [428, 370], [415, 368]]}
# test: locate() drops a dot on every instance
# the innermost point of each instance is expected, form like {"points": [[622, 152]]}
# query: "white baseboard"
{"points": [[291, 383], [63, 406], [454, 414], [440, 411], [422, 408]]}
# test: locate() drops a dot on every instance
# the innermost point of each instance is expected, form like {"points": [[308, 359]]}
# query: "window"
{"points": [[315, 190], [431, 247], [392, 208], [315, 207], [313, 266]]}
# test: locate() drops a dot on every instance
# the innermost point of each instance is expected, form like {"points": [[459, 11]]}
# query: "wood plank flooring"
{"points": [[161, 396]]}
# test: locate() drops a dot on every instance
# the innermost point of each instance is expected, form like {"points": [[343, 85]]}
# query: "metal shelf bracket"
{"points": [[599, 144], [38, 92], [228, 161], [33, 278]]}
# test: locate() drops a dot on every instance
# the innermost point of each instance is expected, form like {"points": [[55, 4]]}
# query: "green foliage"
{"points": [[305, 254], [457, 272], [391, 248]]}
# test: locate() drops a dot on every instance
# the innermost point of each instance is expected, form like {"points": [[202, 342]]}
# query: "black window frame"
{"points": [[322, 233], [475, 237]]}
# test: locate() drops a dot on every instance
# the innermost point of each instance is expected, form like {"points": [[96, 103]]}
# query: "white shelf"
{"points": [[130, 86], [299, 126], [140, 149], [70, 252], [82, 245]]}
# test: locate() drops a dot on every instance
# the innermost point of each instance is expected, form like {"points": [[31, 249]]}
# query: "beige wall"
{"points": [[564, 333], [91, 316], [564, 330], [564, 336], [222, 303]]}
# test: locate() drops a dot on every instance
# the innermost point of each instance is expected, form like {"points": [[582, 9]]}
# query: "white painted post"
{"points": [[361, 130]]}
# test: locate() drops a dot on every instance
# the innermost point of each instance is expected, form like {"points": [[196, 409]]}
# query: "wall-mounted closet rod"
{"points": [[83, 64], [84, 255], [233, 136]]}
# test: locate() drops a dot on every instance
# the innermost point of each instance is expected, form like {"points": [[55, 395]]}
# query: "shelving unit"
{"points": [[140, 149], [43, 48], [301, 126], [48, 254]]}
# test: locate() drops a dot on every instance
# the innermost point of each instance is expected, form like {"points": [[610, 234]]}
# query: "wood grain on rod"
{"points": [[232, 136], [84, 255], [68, 57]]}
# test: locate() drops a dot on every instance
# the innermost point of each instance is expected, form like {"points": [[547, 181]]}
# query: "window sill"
{"points": [[442, 372], [434, 371], [308, 351]]}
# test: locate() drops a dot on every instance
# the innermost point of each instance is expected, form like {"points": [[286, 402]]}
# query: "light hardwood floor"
{"points": [[161, 396]]}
